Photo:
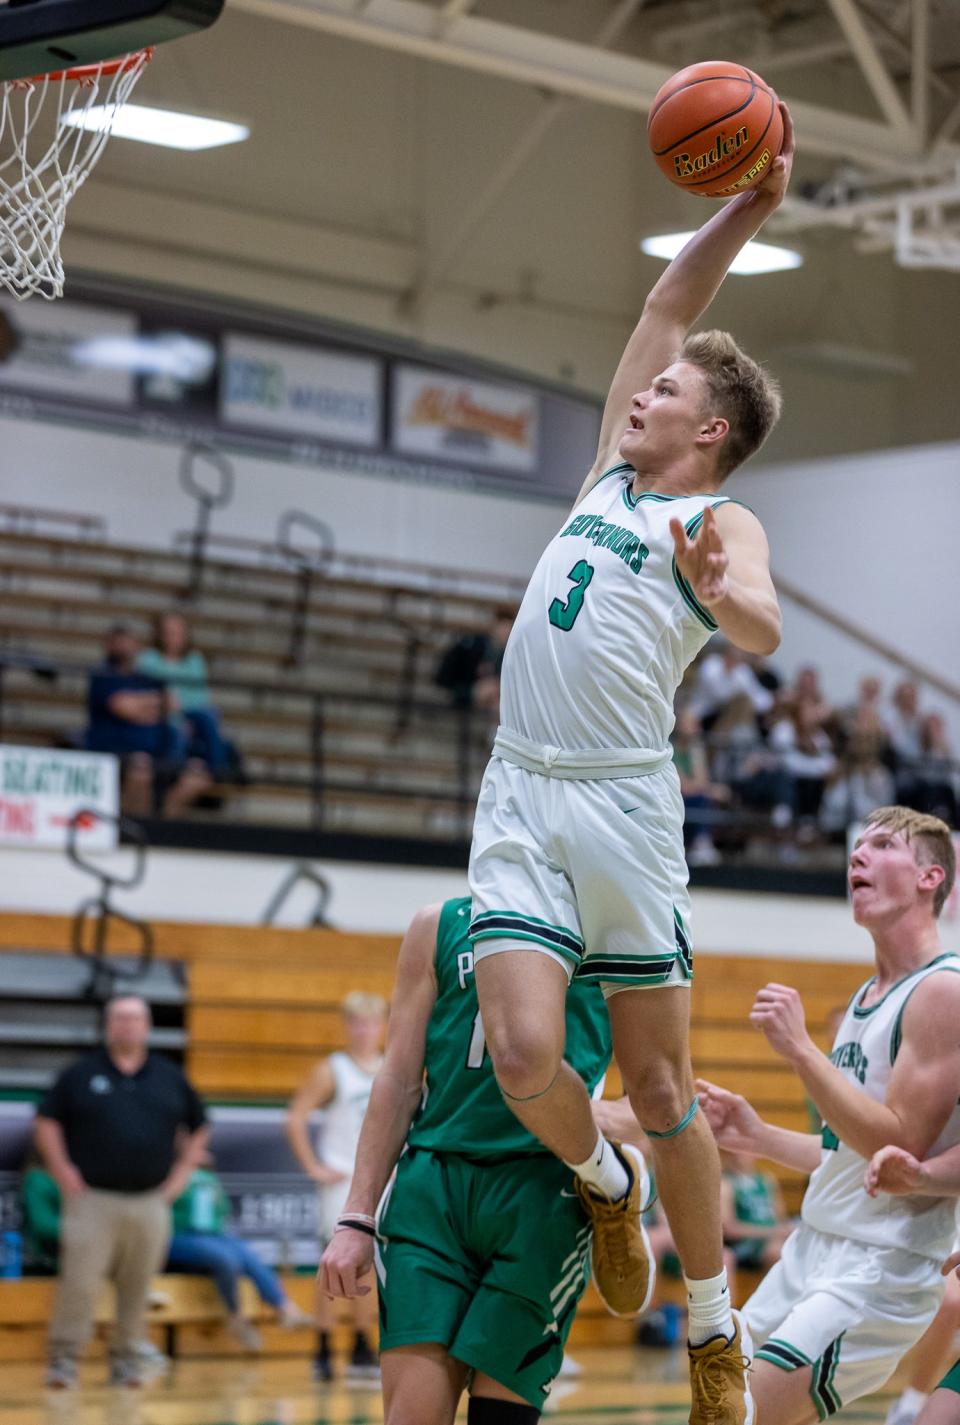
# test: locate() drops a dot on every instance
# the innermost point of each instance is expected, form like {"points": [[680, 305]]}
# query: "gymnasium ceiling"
{"points": [[474, 173]]}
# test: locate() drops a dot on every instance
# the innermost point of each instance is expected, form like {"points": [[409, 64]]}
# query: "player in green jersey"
{"points": [[482, 1245]]}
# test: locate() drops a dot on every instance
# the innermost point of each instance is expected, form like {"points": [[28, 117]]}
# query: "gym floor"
{"points": [[617, 1387]]}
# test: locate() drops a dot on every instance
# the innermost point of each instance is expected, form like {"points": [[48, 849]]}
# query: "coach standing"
{"points": [[121, 1130]]}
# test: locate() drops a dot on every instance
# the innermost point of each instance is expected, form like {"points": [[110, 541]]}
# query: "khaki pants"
{"points": [[120, 1235]]}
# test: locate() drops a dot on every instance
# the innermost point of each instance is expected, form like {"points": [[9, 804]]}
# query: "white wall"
{"points": [[191, 886], [870, 536], [134, 484]]}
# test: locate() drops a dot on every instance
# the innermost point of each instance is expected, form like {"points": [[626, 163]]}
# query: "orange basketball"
{"points": [[715, 129]]}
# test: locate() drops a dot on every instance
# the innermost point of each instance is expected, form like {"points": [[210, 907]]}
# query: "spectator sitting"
{"points": [[127, 715], [699, 792], [806, 755], [202, 1243], [121, 1131], [902, 721], [805, 691], [934, 787], [723, 677], [858, 784], [742, 759], [755, 1224], [865, 718], [470, 667], [173, 662]]}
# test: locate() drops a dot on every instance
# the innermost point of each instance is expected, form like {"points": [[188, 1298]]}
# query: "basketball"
{"points": [[715, 128]]}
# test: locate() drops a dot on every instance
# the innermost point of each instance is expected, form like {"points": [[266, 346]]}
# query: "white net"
{"points": [[53, 129]]}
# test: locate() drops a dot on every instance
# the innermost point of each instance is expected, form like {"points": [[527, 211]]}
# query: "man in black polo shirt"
{"points": [[121, 1130]]}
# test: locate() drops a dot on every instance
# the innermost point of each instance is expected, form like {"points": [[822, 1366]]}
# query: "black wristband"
{"points": [[345, 1222]]}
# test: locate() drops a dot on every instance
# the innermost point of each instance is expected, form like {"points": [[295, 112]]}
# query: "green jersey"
{"points": [[462, 1110]]}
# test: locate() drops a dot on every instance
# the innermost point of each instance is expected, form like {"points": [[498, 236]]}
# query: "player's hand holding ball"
{"points": [[718, 130]]}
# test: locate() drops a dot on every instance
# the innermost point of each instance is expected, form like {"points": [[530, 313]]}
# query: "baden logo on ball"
{"points": [[715, 128]]}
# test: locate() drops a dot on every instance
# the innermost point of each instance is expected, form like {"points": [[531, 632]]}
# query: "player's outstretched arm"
{"points": [[737, 1125], [924, 1085], [896, 1171], [727, 564], [393, 1102], [683, 293]]}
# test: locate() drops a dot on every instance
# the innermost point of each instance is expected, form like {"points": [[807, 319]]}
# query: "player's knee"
{"points": [[661, 1097], [525, 1065]]}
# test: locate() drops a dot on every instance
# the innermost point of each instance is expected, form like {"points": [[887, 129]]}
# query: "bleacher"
{"points": [[263, 1003], [358, 706]]}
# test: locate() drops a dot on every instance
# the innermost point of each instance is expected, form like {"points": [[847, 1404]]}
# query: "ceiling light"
{"points": [[172, 354], [755, 257], [159, 126]]}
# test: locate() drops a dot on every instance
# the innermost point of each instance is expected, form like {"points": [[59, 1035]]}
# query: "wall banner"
{"points": [[275, 386], [41, 788], [455, 418]]}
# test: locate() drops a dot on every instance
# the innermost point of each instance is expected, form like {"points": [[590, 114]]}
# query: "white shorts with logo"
{"points": [[850, 1310], [590, 872]]}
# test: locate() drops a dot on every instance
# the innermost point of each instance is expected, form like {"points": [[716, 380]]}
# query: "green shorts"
{"points": [[951, 1380], [488, 1259]]}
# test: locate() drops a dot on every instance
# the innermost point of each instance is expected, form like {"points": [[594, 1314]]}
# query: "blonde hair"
{"points": [[361, 1005], [741, 391], [930, 840]]}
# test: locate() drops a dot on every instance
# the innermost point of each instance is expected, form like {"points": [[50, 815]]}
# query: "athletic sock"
{"points": [[708, 1304], [323, 1345], [360, 1342], [603, 1171], [911, 1400]]}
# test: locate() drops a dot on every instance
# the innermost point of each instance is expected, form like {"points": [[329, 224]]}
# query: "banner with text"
{"points": [[71, 349], [455, 418], [42, 788], [273, 386]]}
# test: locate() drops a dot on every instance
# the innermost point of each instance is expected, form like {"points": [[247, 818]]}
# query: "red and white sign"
{"points": [[42, 788], [455, 419]]}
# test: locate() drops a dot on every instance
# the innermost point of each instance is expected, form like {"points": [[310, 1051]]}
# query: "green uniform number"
{"points": [[564, 615]]}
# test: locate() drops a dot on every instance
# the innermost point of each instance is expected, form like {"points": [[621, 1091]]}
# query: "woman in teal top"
{"points": [[174, 661]]}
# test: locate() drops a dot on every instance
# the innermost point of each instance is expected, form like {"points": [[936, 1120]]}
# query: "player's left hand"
{"points": [[348, 1256], [893, 1170], [778, 1013], [702, 560]]}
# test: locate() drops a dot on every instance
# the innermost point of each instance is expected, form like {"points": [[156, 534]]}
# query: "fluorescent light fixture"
{"points": [[755, 257], [159, 126], [172, 354]]}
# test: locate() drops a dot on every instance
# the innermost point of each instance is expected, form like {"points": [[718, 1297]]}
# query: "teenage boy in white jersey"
{"points": [[577, 859], [859, 1281]]}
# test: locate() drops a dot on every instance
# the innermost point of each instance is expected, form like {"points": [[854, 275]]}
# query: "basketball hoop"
{"points": [[44, 170]]}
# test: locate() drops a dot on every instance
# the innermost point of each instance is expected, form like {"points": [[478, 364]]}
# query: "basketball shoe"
{"points": [[624, 1271], [719, 1379]]}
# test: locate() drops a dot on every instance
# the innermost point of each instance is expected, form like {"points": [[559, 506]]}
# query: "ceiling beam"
{"points": [[871, 63], [581, 71], [920, 69], [438, 263]]}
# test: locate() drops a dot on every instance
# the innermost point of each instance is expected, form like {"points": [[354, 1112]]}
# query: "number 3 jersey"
{"points": [[608, 624], [865, 1050], [462, 1110]]}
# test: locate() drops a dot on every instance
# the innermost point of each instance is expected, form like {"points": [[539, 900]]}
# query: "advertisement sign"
{"points": [[268, 385], [454, 418], [66, 349], [41, 788]]}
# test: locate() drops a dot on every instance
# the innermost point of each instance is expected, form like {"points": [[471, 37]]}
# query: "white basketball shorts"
{"points": [[850, 1310], [590, 872], [331, 1200]]}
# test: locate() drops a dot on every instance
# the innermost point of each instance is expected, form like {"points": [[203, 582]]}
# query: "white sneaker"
{"points": [[904, 1411]]}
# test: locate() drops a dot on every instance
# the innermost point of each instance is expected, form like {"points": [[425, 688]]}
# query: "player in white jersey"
{"points": [[859, 1281], [894, 1170], [577, 859], [340, 1085]]}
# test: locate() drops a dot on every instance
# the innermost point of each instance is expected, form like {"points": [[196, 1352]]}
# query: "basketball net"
{"points": [[49, 154]]}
